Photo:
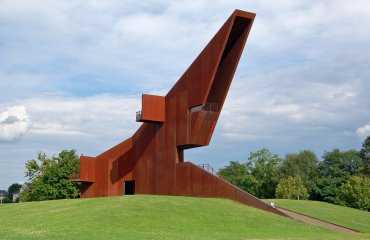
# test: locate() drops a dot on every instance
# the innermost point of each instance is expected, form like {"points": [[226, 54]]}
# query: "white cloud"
{"points": [[14, 122], [99, 115], [301, 100], [364, 131]]}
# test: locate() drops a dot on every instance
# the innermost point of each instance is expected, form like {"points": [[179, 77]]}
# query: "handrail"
{"points": [[208, 106], [139, 116], [208, 168]]}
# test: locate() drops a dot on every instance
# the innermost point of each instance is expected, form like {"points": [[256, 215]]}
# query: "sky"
{"points": [[72, 73]]}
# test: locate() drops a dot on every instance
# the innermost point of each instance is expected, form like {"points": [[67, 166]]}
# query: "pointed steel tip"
{"points": [[241, 13]]}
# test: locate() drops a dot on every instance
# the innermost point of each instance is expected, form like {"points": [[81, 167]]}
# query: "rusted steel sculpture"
{"points": [[152, 160]]}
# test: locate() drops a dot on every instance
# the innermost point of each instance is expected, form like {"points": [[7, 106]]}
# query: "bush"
{"points": [[291, 188], [355, 193], [50, 177]]}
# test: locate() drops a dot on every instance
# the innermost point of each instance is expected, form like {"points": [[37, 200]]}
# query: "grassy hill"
{"points": [[348, 217], [152, 217]]}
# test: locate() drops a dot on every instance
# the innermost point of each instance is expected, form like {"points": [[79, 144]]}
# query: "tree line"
{"points": [[342, 177]]}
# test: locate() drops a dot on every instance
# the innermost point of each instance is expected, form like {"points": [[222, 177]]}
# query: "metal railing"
{"points": [[139, 116], [208, 106], [208, 168]]}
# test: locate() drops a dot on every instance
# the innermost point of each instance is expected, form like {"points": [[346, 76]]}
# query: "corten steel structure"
{"points": [[152, 160]]}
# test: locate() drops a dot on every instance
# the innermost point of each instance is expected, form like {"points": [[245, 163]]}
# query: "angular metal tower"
{"points": [[152, 160]]}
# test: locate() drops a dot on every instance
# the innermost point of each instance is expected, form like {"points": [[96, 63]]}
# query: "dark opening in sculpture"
{"points": [[152, 160], [129, 187]]}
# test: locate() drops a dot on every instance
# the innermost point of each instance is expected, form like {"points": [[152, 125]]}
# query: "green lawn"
{"points": [[348, 217], [152, 217]]}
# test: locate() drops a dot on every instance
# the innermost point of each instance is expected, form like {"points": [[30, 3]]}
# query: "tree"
{"points": [[257, 176], [4, 197], [364, 154], [236, 173], [232, 172], [291, 188], [355, 193], [14, 188], [336, 168], [303, 164], [263, 166], [50, 177]]}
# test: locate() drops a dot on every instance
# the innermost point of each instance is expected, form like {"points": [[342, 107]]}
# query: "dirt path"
{"points": [[315, 221]]}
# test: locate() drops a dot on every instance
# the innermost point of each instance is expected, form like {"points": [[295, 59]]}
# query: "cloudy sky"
{"points": [[72, 74]]}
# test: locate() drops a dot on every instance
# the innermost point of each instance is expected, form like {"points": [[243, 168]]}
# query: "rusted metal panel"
{"points": [[230, 59], [87, 169], [112, 185], [153, 108], [182, 124], [87, 190], [153, 157], [203, 124], [117, 151], [184, 180], [200, 74], [159, 166]]}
